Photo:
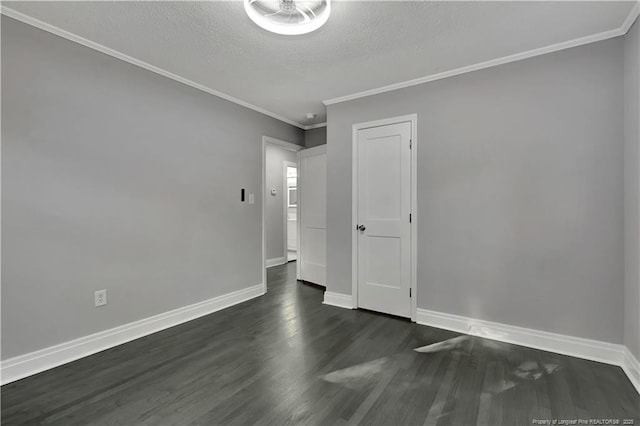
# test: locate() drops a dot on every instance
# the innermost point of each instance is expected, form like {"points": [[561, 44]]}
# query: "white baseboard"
{"points": [[275, 261], [338, 299], [26, 365], [608, 353], [631, 366]]}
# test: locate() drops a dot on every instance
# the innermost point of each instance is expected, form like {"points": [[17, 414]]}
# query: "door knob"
{"points": [[362, 228]]}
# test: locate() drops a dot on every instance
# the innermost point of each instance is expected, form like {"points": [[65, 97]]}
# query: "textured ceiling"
{"points": [[363, 46]]}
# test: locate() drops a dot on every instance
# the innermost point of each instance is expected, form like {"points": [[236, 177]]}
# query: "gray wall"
{"points": [[520, 191], [274, 205], [315, 137], [632, 189], [114, 177]]}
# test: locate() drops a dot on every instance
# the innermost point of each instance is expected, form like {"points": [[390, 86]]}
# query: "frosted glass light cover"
{"points": [[290, 17]]}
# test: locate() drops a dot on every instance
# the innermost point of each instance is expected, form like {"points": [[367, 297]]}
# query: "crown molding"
{"points": [[633, 15], [29, 20], [622, 30], [315, 126]]}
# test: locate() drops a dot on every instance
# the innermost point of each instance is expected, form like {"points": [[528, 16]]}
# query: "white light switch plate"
{"points": [[252, 199]]}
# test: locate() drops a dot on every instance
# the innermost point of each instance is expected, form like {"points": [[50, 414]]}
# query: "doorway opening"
{"points": [[277, 157], [291, 209]]}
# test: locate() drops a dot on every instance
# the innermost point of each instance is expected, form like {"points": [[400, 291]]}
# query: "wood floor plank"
{"points": [[285, 358]]}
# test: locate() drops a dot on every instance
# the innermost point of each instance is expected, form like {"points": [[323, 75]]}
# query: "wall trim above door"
{"points": [[413, 119]]}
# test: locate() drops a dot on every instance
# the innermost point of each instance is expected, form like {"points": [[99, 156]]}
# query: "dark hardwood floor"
{"points": [[285, 358]]}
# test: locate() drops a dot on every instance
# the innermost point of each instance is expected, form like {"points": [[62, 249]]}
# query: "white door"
{"points": [[384, 231], [312, 191]]}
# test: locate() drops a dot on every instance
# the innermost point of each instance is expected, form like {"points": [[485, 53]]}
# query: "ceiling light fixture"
{"points": [[289, 17]]}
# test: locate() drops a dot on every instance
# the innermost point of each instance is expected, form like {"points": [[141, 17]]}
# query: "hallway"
{"points": [[285, 358]]}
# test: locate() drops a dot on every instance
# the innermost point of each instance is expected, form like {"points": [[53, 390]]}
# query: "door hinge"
{"points": [[409, 217], [410, 143], [409, 292]]}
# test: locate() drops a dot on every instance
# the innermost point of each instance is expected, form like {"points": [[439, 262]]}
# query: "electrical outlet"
{"points": [[101, 297]]}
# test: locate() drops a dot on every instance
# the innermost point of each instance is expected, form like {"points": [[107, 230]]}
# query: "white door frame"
{"points": [[288, 146], [285, 186], [413, 119]]}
